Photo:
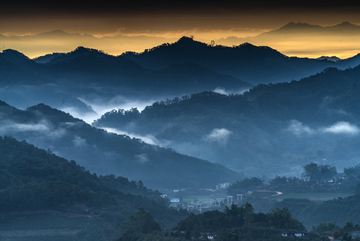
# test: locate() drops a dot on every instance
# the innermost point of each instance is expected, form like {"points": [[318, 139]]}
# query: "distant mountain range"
{"points": [[345, 28], [60, 41], [303, 39], [303, 30], [107, 153], [293, 39]]}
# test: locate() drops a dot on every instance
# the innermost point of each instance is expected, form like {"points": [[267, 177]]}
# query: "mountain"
{"points": [[96, 67], [15, 67], [331, 58], [69, 81], [47, 58], [106, 153], [59, 41], [268, 130], [246, 61], [44, 197], [303, 39], [345, 28]]}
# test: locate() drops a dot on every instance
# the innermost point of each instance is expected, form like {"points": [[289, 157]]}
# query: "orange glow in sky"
{"points": [[119, 27]]}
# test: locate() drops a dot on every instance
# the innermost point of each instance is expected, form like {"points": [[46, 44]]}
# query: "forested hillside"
{"points": [[108, 153], [41, 191], [268, 129]]}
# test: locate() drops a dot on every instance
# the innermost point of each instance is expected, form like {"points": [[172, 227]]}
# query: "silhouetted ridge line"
{"points": [[14, 53]]}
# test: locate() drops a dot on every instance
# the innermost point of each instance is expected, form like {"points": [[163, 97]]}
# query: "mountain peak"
{"points": [[82, 49], [329, 58], [185, 39], [3, 103], [247, 45], [346, 25], [298, 25], [56, 33], [79, 51], [14, 53], [54, 114]]}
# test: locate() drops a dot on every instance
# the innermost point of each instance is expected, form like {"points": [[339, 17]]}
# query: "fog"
{"points": [[43, 129], [342, 127], [101, 106], [218, 135], [224, 91]]}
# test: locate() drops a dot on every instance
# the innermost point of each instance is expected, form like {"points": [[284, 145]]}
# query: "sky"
{"points": [[205, 20]]}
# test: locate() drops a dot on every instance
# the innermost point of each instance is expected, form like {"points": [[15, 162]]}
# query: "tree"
{"points": [[315, 171], [138, 225], [247, 184], [248, 214]]}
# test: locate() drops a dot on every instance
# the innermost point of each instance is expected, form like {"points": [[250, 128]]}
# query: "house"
{"points": [[294, 234], [208, 235]]}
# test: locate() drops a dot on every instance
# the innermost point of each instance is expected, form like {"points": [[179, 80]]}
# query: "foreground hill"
{"points": [[270, 129], [43, 195], [106, 153]]}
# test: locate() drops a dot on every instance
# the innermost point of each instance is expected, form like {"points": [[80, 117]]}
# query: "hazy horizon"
{"points": [[60, 41], [118, 27]]}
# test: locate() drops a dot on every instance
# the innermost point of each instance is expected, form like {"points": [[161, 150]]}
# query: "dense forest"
{"points": [[235, 223], [38, 185]]}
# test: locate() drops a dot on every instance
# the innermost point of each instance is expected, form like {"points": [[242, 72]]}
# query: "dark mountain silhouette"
{"points": [[79, 51], [269, 129], [85, 73], [47, 58], [59, 41], [91, 66], [15, 67], [349, 62], [246, 61], [106, 153]]}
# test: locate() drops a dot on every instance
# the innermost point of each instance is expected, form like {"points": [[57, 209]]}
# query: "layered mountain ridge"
{"points": [[108, 153]]}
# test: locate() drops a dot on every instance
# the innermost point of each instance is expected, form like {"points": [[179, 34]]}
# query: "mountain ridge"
{"points": [[283, 122], [107, 153], [254, 64]]}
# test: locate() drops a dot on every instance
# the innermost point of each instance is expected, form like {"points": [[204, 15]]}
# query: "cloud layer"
{"points": [[342, 127]]}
